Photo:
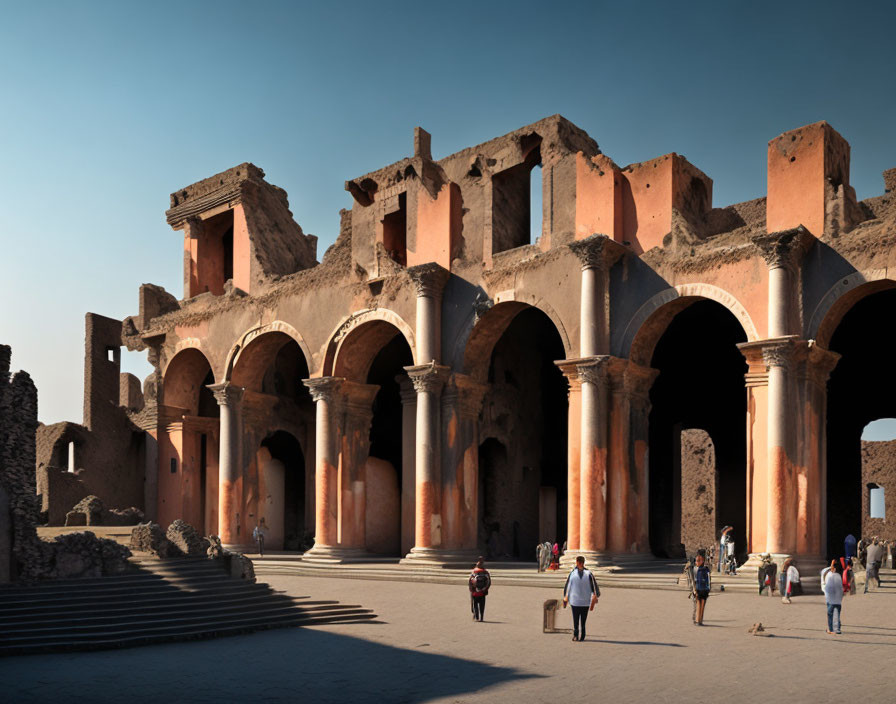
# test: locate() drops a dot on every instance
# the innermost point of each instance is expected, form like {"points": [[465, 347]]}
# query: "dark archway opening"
{"points": [[385, 507], [522, 463], [862, 388], [700, 385], [284, 480]]}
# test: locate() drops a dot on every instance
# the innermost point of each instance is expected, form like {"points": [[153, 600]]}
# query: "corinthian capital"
{"points": [[428, 279], [778, 353], [324, 388], [783, 250], [428, 377], [226, 394], [593, 370], [597, 251]]}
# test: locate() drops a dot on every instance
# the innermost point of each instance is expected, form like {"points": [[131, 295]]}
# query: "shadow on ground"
{"points": [[285, 665]]}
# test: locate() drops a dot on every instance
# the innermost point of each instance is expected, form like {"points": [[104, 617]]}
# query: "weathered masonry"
{"points": [[446, 382]]}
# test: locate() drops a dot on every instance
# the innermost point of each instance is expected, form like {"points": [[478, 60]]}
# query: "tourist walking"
{"points": [[702, 585], [833, 596], [480, 581], [258, 536], [581, 593], [791, 578]]}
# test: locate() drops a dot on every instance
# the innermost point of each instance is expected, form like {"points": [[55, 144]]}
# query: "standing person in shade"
{"points": [[850, 547], [873, 562], [702, 585], [833, 596], [724, 539], [581, 593], [480, 581], [258, 536]]}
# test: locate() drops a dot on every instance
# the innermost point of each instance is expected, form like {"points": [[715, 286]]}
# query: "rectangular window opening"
{"points": [[517, 203], [71, 457], [174, 465], [395, 231], [876, 504]]}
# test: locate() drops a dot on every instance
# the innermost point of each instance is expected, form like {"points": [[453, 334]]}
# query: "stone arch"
{"points": [[369, 330], [840, 298], [650, 321], [474, 348], [256, 349], [185, 378]]}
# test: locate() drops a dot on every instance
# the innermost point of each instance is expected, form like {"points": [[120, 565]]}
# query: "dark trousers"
{"points": [[479, 607], [579, 615]]}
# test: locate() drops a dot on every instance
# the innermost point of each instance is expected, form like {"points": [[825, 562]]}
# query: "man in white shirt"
{"points": [[581, 593], [833, 596]]}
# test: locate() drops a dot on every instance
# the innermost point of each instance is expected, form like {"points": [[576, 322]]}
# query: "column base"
{"points": [[337, 555], [440, 557], [595, 560]]}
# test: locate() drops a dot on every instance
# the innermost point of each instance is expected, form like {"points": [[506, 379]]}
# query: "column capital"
{"points": [[773, 352], [428, 377], [597, 251], [406, 389], [428, 279], [324, 388], [814, 363], [594, 370], [226, 394], [783, 250]]}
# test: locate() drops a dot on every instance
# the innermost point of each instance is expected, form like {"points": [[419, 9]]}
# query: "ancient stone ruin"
{"points": [[465, 374]]}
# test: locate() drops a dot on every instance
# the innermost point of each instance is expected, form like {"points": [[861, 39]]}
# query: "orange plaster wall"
{"points": [[574, 460], [242, 275], [437, 226], [757, 461], [647, 203], [170, 446], [598, 197]]}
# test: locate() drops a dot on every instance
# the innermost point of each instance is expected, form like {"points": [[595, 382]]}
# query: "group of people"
{"points": [[580, 593]]}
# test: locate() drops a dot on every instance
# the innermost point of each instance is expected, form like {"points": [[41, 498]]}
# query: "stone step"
{"points": [[134, 609], [156, 601], [209, 630], [60, 626]]}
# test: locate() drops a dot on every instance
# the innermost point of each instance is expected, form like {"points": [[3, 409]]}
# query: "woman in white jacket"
{"points": [[792, 585]]}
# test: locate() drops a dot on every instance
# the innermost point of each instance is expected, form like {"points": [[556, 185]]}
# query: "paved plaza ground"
{"points": [[424, 648]]}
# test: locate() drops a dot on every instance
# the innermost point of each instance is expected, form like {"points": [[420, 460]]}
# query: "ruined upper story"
{"points": [[471, 212]]}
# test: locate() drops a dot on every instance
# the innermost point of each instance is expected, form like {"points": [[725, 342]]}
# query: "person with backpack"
{"points": [[702, 585], [480, 581], [581, 593]]}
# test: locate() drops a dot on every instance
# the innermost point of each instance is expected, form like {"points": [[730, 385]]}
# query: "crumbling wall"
{"points": [[699, 490], [18, 424], [879, 467]]}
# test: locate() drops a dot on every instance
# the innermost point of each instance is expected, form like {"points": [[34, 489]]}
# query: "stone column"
{"points": [[428, 380], [408, 461], [597, 255], [325, 392], [230, 467], [783, 252], [573, 456], [780, 538], [593, 460], [429, 281]]}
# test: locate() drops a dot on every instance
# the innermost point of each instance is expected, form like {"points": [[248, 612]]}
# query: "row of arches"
{"points": [[522, 492]]}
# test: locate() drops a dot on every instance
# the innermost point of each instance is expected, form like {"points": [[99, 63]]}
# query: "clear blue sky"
{"points": [[110, 106]]}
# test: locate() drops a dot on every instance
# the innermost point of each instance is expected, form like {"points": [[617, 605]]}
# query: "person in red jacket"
{"points": [[480, 581]]}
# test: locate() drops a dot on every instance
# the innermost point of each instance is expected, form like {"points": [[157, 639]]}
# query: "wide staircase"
{"points": [[155, 601]]}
